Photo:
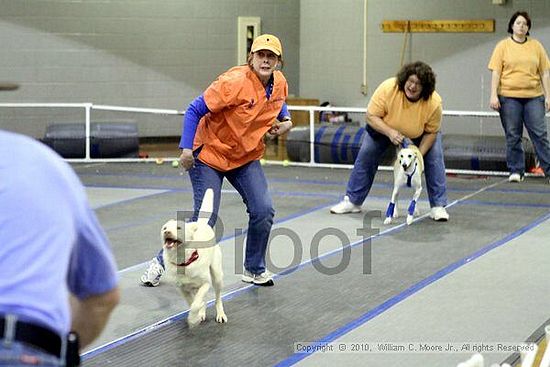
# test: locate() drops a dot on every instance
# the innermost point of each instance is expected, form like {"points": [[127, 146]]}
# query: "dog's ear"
{"points": [[189, 231]]}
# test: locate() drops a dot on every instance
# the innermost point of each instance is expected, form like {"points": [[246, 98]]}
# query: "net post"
{"points": [[87, 111], [311, 137]]}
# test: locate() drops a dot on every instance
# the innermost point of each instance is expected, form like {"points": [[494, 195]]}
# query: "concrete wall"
{"points": [[163, 53], [143, 53], [331, 52]]}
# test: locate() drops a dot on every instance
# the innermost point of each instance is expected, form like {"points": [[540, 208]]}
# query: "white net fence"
{"points": [[321, 137]]}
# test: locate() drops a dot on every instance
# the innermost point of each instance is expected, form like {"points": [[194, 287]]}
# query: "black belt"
{"points": [[35, 335]]}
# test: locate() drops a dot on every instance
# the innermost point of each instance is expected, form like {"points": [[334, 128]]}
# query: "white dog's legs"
{"points": [[412, 207], [188, 296], [217, 283], [392, 211], [197, 312], [216, 274]]}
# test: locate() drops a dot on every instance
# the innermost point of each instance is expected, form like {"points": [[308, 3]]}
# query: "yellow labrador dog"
{"points": [[407, 171], [194, 261]]}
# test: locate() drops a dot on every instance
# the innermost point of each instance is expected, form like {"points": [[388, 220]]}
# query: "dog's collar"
{"points": [[194, 256]]}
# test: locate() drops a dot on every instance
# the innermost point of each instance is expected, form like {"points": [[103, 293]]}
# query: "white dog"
{"points": [[407, 170], [194, 261]]}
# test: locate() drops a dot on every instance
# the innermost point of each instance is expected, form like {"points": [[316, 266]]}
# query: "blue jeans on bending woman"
{"points": [[368, 159], [516, 112], [249, 180]]}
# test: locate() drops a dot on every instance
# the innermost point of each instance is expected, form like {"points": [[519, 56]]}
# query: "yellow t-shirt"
{"points": [[411, 119], [520, 66]]}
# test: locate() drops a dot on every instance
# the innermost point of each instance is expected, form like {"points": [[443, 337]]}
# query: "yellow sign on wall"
{"points": [[432, 26]]}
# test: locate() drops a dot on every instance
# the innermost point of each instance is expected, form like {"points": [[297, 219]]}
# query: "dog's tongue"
{"points": [[170, 243]]}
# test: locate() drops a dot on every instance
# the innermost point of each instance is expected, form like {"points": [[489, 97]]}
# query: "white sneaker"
{"points": [[515, 177], [345, 206], [153, 273], [439, 214], [247, 277], [264, 279]]}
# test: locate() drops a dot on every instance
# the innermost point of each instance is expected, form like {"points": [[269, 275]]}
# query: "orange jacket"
{"points": [[240, 114]]}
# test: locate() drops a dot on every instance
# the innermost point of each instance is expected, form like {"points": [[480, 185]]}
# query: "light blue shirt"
{"points": [[50, 240]]}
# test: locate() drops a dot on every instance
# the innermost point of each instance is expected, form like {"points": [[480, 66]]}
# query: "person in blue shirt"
{"points": [[59, 274]]}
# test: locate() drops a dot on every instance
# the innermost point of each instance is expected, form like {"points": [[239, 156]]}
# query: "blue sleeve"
{"points": [[92, 269], [196, 110], [284, 113]]}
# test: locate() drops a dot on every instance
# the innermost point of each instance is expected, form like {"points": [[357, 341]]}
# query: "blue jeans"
{"points": [[17, 354], [514, 113], [249, 180], [366, 164], [21, 355]]}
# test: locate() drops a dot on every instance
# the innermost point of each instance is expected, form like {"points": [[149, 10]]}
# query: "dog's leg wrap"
{"points": [[389, 211], [412, 207]]}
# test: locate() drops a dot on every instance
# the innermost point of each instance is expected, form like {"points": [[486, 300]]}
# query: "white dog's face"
{"points": [[194, 234], [407, 157], [169, 234]]}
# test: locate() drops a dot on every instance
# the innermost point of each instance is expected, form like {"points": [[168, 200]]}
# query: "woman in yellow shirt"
{"points": [[406, 106], [520, 81]]}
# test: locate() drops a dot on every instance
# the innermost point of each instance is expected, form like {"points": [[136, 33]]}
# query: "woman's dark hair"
{"points": [[423, 72], [514, 17]]}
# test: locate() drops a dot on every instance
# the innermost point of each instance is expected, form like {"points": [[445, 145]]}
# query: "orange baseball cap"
{"points": [[267, 42]]}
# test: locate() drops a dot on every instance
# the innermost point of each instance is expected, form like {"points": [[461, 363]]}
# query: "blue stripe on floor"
{"points": [[296, 357], [363, 319]]}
